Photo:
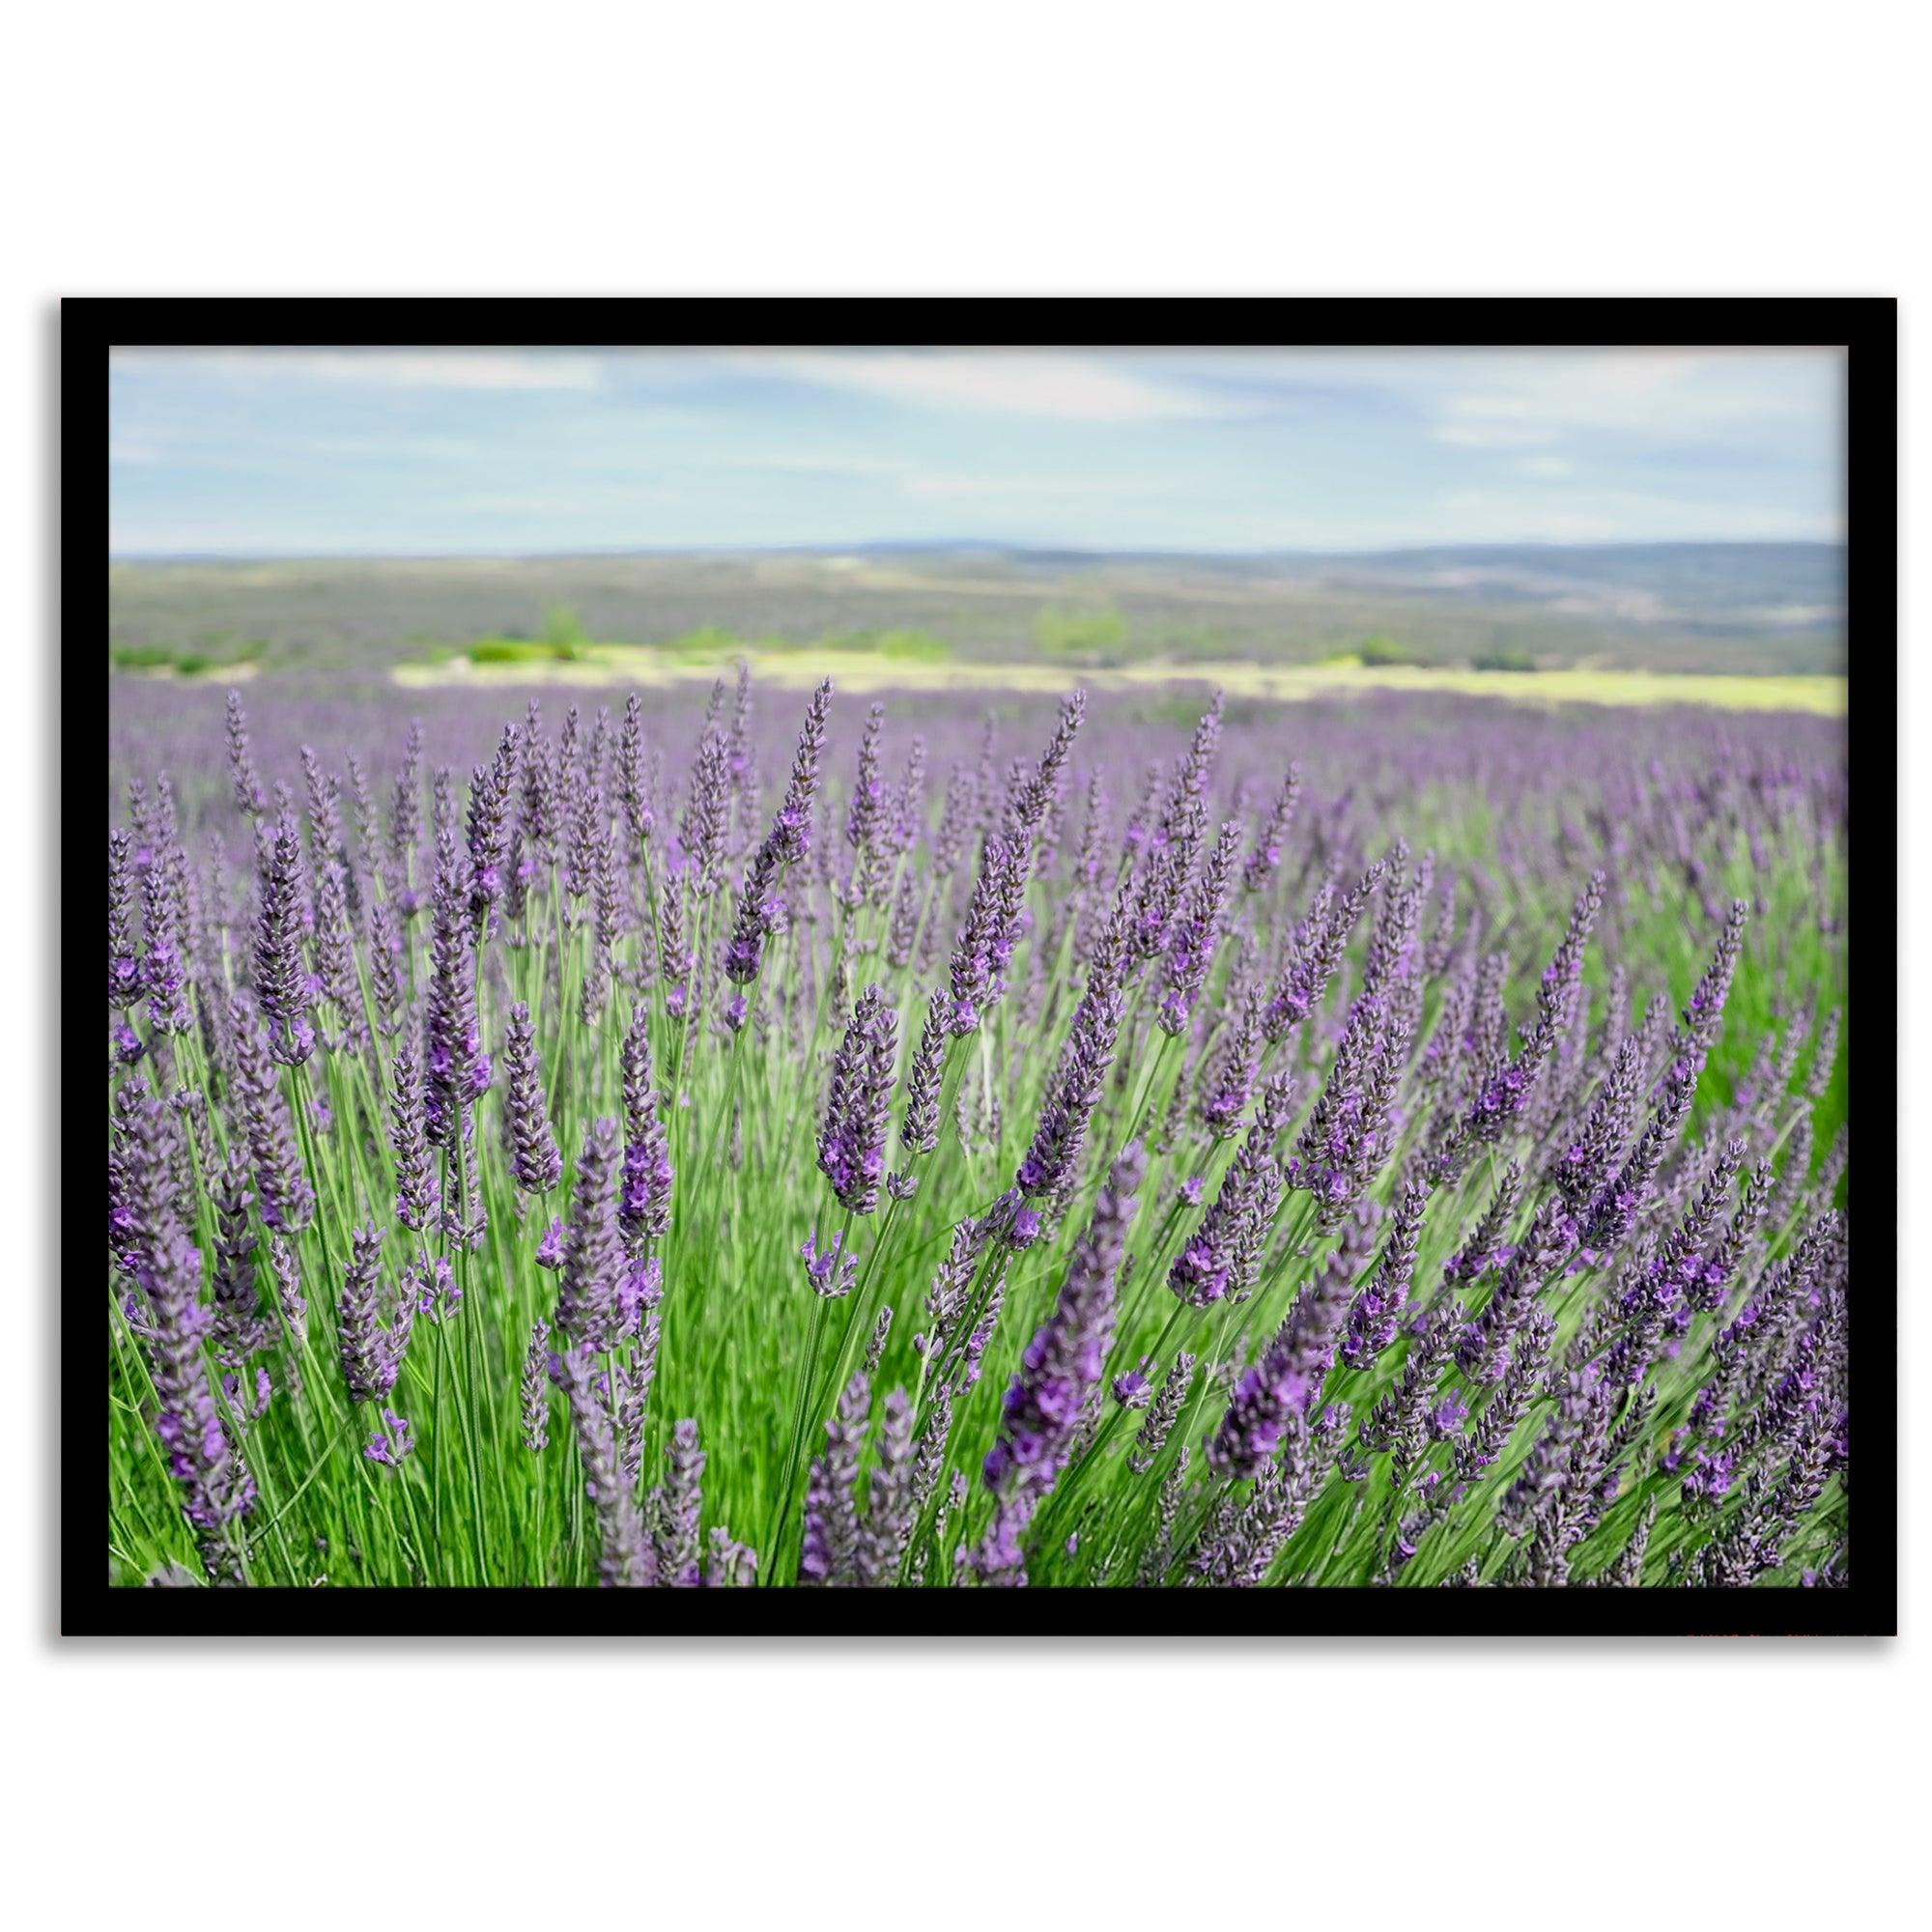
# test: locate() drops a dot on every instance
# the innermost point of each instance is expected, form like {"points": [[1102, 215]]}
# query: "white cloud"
{"points": [[912, 479], [1549, 466], [1508, 399], [1504, 399], [1494, 434], [1018, 382], [1611, 515], [812, 463], [949, 483], [379, 368]]}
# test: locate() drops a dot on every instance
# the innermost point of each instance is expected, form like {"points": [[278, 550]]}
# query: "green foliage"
{"points": [[1380, 651], [563, 633], [759, 1360], [708, 640], [142, 657], [1087, 633], [1502, 657], [912, 646], [521, 651], [211, 652]]}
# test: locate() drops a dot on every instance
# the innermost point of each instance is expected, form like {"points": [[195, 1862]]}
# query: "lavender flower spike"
{"points": [[281, 979], [372, 1355], [1061, 1369], [535, 1160], [587, 1308], [1286, 1381], [645, 1204], [829, 1554], [789, 840], [852, 1142], [247, 785]]}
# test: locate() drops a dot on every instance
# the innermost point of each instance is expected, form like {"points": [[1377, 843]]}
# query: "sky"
{"points": [[494, 451]]}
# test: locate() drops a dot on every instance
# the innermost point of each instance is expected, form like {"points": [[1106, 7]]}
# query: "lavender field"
{"points": [[1143, 1141]]}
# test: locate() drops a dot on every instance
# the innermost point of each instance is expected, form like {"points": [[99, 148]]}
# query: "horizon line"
{"points": [[945, 544]]}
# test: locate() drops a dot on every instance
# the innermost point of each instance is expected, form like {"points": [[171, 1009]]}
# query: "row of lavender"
{"points": [[1254, 1228]]}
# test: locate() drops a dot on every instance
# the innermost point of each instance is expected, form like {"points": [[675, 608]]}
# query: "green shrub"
{"points": [[513, 650], [1502, 658], [912, 646], [142, 657], [563, 633], [1064, 631], [1380, 651], [707, 640]]}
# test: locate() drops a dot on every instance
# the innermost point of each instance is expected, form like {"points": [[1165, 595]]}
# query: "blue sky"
{"points": [[487, 451]]}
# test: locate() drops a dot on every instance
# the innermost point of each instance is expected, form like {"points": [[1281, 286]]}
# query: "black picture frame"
{"points": [[1867, 327]]}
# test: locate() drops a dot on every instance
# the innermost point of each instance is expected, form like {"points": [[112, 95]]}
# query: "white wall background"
{"points": [[1652, 149]]}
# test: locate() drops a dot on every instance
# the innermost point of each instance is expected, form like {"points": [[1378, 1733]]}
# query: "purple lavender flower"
{"points": [[786, 843], [1227, 1081], [1191, 938], [1376, 1309], [534, 1389], [587, 1310], [1062, 1364], [1170, 851], [980, 958], [1613, 1209], [678, 1540], [535, 1160], [384, 956], [393, 1443], [281, 979], [829, 1554], [831, 1270], [247, 786], [865, 809], [1318, 944], [706, 818], [282, 1187], [239, 1328], [432, 1285], [852, 1141], [165, 926], [405, 808], [490, 792], [215, 1486], [1219, 1259], [644, 1207], [1287, 1382], [456, 1069], [919, 1125], [408, 1140], [627, 1559], [1049, 1165], [549, 1248], [123, 967], [1265, 861], [372, 1354]]}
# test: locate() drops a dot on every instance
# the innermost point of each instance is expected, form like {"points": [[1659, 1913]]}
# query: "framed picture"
{"points": [[792, 967]]}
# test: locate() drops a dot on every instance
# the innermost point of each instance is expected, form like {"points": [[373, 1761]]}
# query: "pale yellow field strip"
{"points": [[623, 665]]}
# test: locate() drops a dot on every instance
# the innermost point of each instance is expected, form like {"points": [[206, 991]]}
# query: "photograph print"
{"points": [[1189, 987]]}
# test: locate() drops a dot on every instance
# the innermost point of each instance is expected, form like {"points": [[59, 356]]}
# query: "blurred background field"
{"points": [[625, 571], [1735, 625]]}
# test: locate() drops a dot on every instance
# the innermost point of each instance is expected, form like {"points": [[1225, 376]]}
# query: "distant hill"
{"points": [[1729, 588], [1714, 608]]}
